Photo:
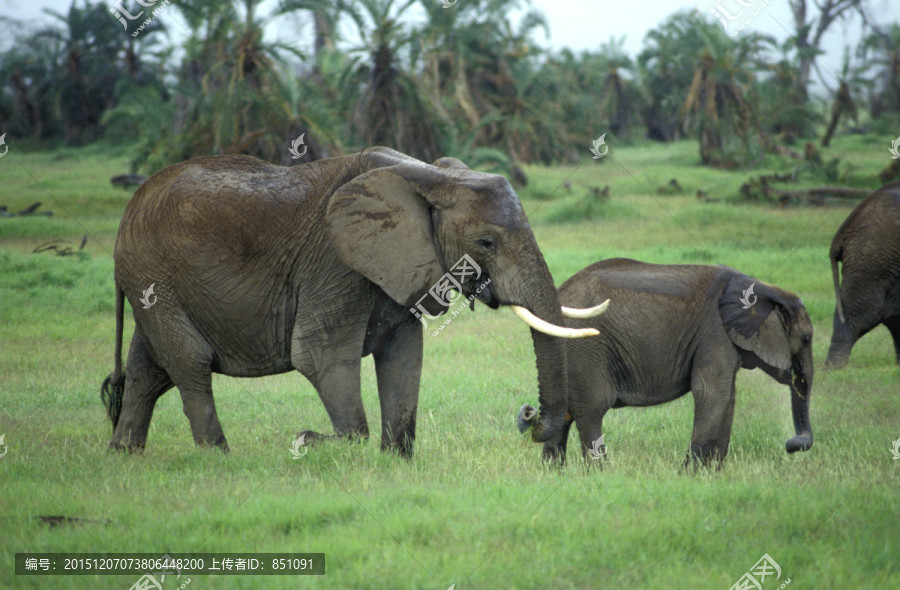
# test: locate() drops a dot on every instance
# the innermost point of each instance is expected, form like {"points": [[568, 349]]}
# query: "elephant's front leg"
{"points": [[338, 385], [398, 368], [714, 395]]}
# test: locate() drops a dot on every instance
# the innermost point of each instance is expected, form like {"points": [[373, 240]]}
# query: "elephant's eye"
{"points": [[487, 242]]}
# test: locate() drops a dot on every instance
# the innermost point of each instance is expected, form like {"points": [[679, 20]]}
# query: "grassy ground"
{"points": [[475, 507]]}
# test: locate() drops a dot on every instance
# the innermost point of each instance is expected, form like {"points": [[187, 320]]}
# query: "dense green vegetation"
{"points": [[205, 78], [475, 506]]}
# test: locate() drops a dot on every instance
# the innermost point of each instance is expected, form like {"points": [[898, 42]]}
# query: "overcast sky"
{"points": [[576, 24]]}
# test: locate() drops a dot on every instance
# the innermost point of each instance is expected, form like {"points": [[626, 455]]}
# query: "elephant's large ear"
{"points": [[381, 227], [755, 320]]}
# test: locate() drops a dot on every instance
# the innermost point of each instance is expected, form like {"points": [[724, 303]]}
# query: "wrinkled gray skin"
{"points": [[867, 287], [671, 329], [261, 269]]}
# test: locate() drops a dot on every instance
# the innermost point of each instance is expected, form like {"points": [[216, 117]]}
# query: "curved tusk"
{"points": [[551, 329], [586, 312]]}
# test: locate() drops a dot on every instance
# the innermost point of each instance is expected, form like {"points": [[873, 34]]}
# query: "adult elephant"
{"points": [[674, 329], [239, 267], [867, 245]]}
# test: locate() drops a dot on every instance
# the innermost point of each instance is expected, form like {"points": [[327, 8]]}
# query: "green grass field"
{"points": [[475, 507]]}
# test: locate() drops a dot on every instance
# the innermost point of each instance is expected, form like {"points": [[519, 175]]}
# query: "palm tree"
{"points": [[231, 96], [881, 49], [665, 71], [785, 110], [393, 108], [28, 74], [325, 15], [618, 96], [716, 104], [484, 68]]}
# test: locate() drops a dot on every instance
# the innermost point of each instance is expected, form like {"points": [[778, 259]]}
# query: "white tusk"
{"points": [[551, 329], [587, 312]]}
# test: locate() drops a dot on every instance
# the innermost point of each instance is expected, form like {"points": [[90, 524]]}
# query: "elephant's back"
{"points": [[881, 209], [870, 236], [635, 280], [205, 197]]}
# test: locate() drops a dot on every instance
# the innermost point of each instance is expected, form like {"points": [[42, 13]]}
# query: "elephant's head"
{"points": [[773, 331], [405, 226]]}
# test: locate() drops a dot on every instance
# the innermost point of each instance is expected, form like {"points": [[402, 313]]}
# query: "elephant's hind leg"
{"points": [[398, 367], [145, 382], [195, 386], [187, 358], [893, 325]]}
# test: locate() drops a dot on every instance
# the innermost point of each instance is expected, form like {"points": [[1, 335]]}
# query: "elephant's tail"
{"points": [[836, 253], [113, 388]]}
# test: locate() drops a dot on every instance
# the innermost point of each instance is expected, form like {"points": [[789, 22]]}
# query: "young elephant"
{"points": [[867, 245], [678, 328]]}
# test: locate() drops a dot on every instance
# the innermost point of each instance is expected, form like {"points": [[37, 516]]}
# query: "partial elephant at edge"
{"points": [[865, 267]]}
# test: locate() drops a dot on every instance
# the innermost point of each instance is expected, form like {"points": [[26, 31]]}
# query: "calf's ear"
{"points": [[756, 320]]}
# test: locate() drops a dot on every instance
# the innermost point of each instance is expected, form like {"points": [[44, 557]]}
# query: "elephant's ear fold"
{"points": [[381, 228], [755, 320], [448, 162]]}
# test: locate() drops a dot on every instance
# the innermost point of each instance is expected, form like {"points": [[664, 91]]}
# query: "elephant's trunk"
{"points": [[526, 417], [801, 387], [553, 384]]}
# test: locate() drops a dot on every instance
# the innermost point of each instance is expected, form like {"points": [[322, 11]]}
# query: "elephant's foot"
{"points": [[836, 362], [403, 448], [312, 438], [695, 463], [707, 455], [222, 445], [801, 442], [553, 456], [119, 446]]}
